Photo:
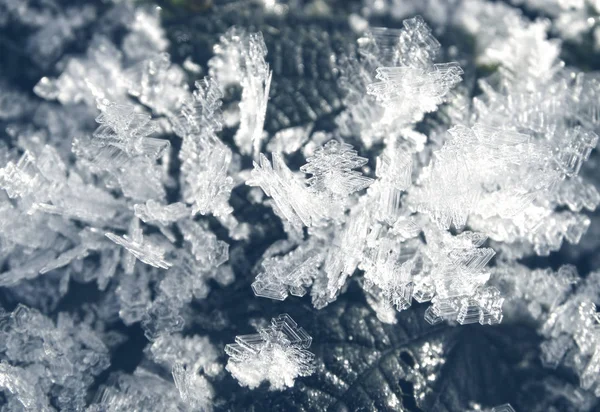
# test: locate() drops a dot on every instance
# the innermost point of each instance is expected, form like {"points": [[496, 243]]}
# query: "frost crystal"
{"points": [[189, 359], [195, 391], [564, 307], [290, 273], [506, 407], [158, 84], [122, 128], [98, 75], [323, 196], [292, 200], [396, 68], [152, 211], [240, 59], [44, 361], [139, 248], [205, 159], [333, 179], [276, 354], [430, 84]]}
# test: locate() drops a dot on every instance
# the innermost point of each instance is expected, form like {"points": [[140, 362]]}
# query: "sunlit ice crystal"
{"points": [[41, 184], [413, 74], [240, 59], [292, 200], [97, 75], [147, 36], [380, 303], [394, 176], [289, 140], [347, 251], [195, 352], [201, 114], [141, 390], [158, 84], [311, 201], [289, 274], [512, 173], [331, 169], [563, 306], [194, 389], [277, 354], [142, 250], [497, 181], [393, 81], [204, 245], [205, 159], [153, 211], [506, 407], [123, 128], [430, 87]]}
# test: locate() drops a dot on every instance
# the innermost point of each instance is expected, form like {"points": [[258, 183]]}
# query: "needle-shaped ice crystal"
{"points": [[152, 211], [141, 249], [322, 196], [292, 200], [195, 391]]}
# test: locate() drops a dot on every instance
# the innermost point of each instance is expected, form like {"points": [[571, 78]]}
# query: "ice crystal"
{"points": [[289, 140], [277, 354], [331, 169], [158, 84], [189, 359], [564, 308], [240, 59], [98, 75], [204, 245], [291, 198], [142, 390], [147, 37], [290, 273], [501, 185], [152, 211], [324, 195], [122, 128], [500, 408], [139, 248], [46, 361], [394, 64], [195, 391], [205, 159]]}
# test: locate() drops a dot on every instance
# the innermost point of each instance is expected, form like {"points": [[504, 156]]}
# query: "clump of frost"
{"points": [[323, 196], [393, 82], [48, 362], [276, 354]]}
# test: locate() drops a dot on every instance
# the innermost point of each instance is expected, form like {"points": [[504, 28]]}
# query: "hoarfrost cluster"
{"points": [[277, 354], [135, 185]]}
